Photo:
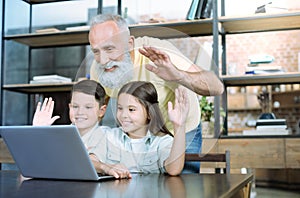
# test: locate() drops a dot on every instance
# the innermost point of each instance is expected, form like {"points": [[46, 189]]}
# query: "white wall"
{"points": [[17, 11], [77, 11]]}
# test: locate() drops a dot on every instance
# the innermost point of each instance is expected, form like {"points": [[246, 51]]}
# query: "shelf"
{"points": [[287, 92], [261, 22], [39, 88], [160, 30], [249, 79], [179, 29], [62, 38]]}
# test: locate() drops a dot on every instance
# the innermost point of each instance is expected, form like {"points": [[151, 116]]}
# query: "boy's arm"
{"points": [[43, 113], [177, 115]]}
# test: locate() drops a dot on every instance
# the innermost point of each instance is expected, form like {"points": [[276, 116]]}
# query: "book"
{"points": [[266, 132], [206, 9], [78, 28], [47, 82], [261, 58], [45, 79], [263, 68], [270, 122], [192, 11], [51, 77], [47, 30], [271, 127], [199, 9], [254, 71]]}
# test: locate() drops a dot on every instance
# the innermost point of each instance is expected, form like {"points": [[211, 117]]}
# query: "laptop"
{"points": [[50, 152]]}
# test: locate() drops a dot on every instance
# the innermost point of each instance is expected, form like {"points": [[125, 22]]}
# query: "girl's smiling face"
{"points": [[132, 116], [85, 111]]}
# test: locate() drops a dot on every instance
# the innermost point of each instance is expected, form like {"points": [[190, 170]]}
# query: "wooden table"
{"points": [[151, 185]]}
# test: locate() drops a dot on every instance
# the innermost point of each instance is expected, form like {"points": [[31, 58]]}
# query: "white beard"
{"points": [[117, 78]]}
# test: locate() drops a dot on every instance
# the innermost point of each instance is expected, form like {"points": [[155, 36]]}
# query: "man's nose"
{"points": [[104, 58]]}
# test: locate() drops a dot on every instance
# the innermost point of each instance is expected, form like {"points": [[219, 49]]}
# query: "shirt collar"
{"points": [[148, 138]]}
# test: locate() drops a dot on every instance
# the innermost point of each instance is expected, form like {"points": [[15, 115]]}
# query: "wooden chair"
{"points": [[211, 157]]}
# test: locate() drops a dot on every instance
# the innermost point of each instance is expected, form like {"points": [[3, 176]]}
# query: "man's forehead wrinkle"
{"points": [[104, 44]]}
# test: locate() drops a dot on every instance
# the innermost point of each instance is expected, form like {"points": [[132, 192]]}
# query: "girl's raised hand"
{"points": [[178, 113]]}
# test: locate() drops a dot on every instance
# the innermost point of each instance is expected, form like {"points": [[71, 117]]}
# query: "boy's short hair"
{"points": [[93, 88]]}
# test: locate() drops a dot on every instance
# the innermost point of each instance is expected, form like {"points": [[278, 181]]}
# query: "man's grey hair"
{"points": [[101, 18]]}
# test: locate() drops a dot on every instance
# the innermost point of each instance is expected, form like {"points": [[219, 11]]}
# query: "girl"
{"points": [[86, 109], [142, 143]]}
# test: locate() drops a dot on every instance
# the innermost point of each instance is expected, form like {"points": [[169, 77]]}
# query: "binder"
{"points": [[199, 9], [192, 11]]}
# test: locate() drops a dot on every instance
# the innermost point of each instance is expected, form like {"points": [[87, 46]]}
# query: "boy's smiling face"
{"points": [[85, 111]]}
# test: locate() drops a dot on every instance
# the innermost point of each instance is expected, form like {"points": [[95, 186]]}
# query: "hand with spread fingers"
{"points": [[43, 113], [164, 67], [178, 114]]}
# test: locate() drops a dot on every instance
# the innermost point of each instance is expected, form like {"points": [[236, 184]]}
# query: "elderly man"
{"points": [[120, 58]]}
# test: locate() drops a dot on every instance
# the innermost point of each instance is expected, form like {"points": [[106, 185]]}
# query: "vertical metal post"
{"points": [[120, 7], [216, 61], [224, 72], [30, 18], [2, 62], [100, 7], [29, 64]]}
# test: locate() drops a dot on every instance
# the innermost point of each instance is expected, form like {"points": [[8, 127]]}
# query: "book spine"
{"points": [[192, 11]]}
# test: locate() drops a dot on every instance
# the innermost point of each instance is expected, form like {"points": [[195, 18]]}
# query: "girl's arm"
{"points": [[119, 171], [177, 115], [43, 113]]}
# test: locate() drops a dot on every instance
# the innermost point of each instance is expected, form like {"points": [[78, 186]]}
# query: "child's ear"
{"points": [[102, 111], [148, 117]]}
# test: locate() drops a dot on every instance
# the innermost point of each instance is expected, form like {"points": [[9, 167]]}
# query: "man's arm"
{"points": [[202, 82]]}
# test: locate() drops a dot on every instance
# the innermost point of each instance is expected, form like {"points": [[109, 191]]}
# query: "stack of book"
{"points": [[262, 64], [263, 69], [269, 127], [49, 79]]}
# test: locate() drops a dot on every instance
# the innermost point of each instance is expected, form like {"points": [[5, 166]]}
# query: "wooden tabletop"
{"points": [[151, 185]]}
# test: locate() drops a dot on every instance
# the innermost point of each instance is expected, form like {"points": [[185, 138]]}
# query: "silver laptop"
{"points": [[50, 152]]}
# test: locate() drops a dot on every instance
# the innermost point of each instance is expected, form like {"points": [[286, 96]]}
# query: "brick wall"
{"points": [[283, 45]]}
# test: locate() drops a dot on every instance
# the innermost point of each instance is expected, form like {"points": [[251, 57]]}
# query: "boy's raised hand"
{"points": [[43, 113]]}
